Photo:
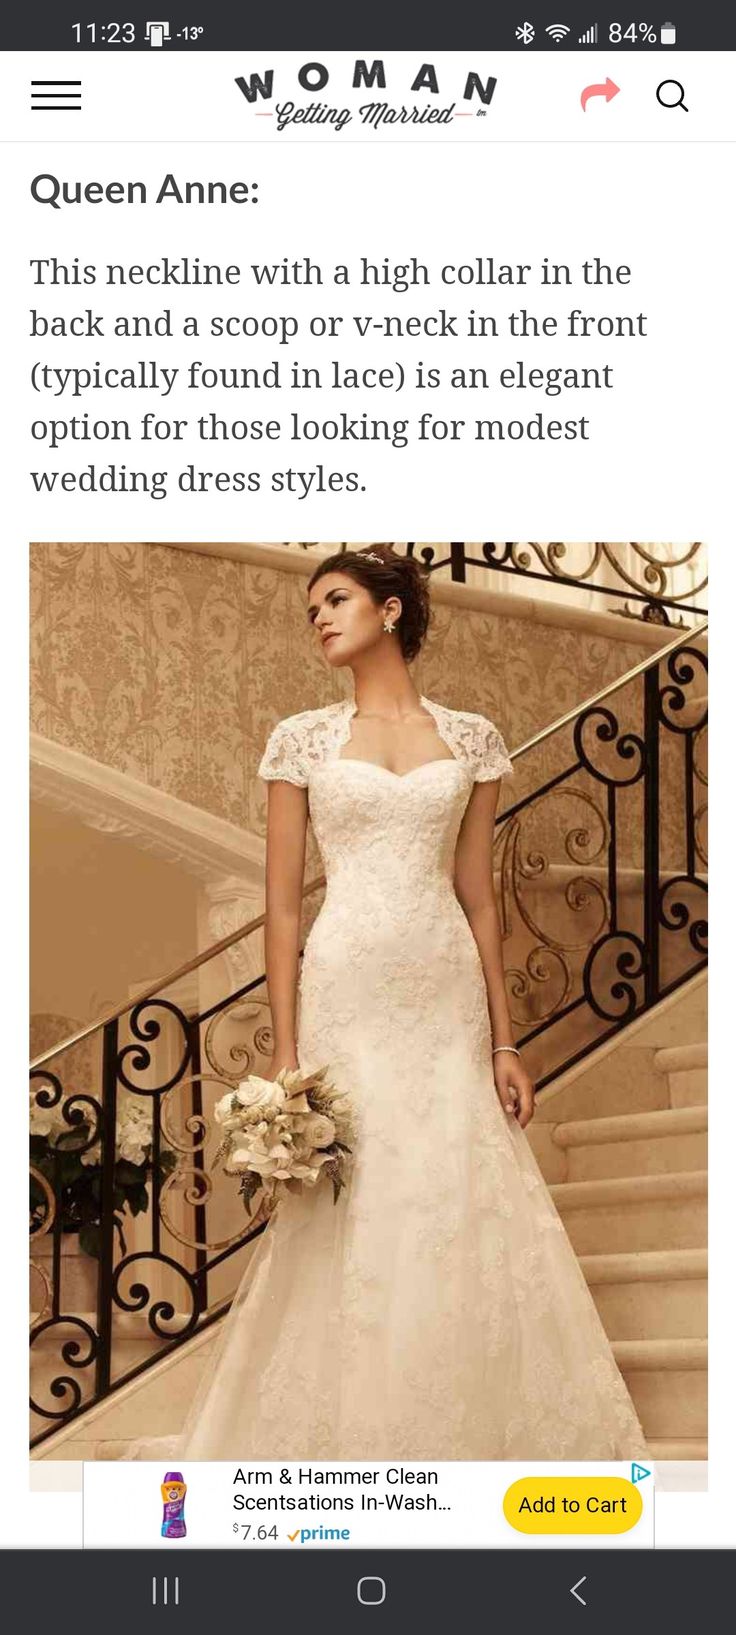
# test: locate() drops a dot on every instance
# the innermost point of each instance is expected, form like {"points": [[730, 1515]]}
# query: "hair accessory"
{"points": [[370, 556]]}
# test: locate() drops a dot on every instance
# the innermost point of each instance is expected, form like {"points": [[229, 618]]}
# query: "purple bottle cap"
{"points": [[173, 1476]]}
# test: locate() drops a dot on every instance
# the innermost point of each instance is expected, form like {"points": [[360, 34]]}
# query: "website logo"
{"points": [[427, 96]]}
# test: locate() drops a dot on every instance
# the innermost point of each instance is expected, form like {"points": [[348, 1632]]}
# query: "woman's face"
{"points": [[345, 618]]}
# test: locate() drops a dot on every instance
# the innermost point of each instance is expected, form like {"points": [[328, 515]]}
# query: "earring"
{"points": [[388, 627]]}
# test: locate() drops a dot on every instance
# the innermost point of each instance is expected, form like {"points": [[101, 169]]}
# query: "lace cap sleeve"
{"points": [[490, 756], [283, 756]]}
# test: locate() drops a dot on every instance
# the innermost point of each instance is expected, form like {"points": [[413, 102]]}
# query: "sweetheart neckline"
{"points": [[356, 760]]}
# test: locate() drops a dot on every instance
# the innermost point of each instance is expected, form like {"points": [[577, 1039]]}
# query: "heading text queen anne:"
{"points": [[51, 190]]}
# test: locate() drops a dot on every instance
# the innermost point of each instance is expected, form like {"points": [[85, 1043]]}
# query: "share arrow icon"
{"points": [[608, 91]]}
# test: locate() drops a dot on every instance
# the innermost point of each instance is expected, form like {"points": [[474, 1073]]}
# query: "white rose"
{"points": [[134, 1114], [223, 1112], [311, 1161], [132, 1149], [267, 1166], [318, 1130], [46, 1120], [239, 1159], [250, 1154], [303, 1172], [261, 1093], [42, 1121]]}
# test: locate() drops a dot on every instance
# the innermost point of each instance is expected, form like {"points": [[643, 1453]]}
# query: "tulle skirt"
{"points": [[436, 1311]]}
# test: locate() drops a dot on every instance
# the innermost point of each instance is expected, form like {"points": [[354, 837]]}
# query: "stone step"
{"points": [[658, 1295], [153, 1404], [686, 1070], [692, 1447], [133, 1344], [634, 1143], [670, 1405], [668, 1381], [630, 1212], [689, 1089], [680, 1058], [683, 1355]]}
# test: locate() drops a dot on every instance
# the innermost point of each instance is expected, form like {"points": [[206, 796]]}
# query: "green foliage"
{"points": [[250, 1184], [78, 1187], [333, 1173]]}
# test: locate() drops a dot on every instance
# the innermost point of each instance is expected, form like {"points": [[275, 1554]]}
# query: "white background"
{"points": [[657, 441], [154, 97], [655, 468]]}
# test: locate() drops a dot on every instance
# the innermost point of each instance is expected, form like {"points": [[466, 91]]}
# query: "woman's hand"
{"points": [[514, 1086], [281, 1059]]}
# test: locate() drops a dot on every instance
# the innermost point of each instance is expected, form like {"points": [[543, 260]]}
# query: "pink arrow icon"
{"points": [[608, 91]]}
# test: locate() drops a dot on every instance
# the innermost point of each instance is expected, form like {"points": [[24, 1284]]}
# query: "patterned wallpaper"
{"points": [[173, 666]]}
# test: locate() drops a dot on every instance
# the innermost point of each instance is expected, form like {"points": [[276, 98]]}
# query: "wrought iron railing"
{"points": [[603, 861], [601, 865], [649, 583]]}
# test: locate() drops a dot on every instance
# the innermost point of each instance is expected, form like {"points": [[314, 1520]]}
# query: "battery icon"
{"points": [[668, 34]]}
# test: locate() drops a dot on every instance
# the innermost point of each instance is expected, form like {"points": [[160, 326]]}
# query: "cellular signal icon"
{"points": [[590, 37], [557, 31]]}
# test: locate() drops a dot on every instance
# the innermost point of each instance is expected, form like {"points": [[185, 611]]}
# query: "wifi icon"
{"points": [[557, 31]]}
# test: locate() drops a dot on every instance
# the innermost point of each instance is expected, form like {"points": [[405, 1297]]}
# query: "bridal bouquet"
{"points": [[295, 1127]]}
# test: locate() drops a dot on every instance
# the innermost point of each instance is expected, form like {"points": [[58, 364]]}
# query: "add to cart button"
{"points": [[572, 1504]]}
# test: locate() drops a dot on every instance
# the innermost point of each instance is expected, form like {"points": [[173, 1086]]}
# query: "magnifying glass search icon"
{"points": [[671, 94]]}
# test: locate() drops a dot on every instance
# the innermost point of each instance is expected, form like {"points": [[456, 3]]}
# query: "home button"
{"points": [[371, 1591]]}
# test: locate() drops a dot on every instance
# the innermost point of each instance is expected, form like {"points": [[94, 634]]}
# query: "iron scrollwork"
{"points": [[65, 1388], [148, 1032], [641, 933], [676, 916], [628, 745], [630, 963], [653, 592], [162, 1309], [254, 1039]]}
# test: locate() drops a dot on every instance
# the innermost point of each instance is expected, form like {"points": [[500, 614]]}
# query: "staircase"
{"points": [[620, 1130], [634, 1203]]}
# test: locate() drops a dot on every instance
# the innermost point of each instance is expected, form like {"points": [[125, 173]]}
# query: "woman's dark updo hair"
{"points": [[394, 575]]}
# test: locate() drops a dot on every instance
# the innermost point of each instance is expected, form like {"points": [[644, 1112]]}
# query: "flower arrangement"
{"points": [[277, 1131], [59, 1151]]}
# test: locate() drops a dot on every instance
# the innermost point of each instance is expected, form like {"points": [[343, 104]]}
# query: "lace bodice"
{"points": [[388, 843], [303, 742]]}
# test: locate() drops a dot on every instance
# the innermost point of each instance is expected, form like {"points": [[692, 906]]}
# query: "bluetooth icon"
{"points": [[525, 33]]}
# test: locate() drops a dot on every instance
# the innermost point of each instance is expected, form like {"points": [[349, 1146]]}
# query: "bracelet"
{"points": [[506, 1047]]}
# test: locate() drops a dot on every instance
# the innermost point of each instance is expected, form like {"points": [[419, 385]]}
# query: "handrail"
{"points": [[163, 982], [314, 885], [613, 687]]}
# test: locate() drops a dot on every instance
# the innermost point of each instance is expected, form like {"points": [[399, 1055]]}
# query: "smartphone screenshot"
{"points": [[357, 941]]}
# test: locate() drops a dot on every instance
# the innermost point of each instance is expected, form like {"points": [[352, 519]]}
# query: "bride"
{"points": [[437, 1310]]}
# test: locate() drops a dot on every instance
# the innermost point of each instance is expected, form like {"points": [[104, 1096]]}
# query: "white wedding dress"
{"points": [[437, 1310]]}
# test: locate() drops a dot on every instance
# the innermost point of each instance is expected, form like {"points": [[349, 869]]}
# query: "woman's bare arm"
{"points": [[476, 894], [285, 853]]}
